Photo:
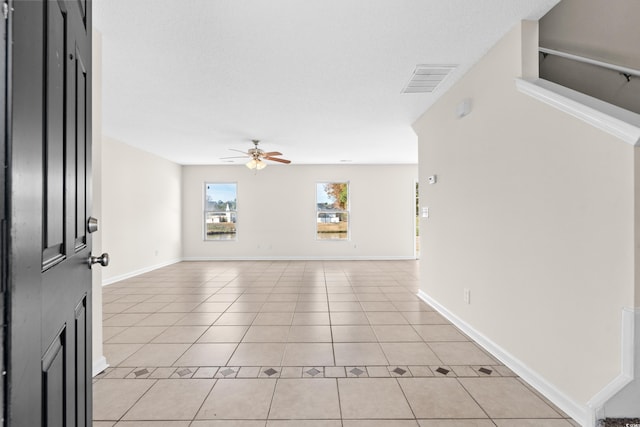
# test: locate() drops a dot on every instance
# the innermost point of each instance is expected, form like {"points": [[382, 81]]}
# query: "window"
{"points": [[332, 211], [220, 211]]}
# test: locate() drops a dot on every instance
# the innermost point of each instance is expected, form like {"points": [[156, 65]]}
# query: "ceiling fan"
{"points": [[258, 156]]}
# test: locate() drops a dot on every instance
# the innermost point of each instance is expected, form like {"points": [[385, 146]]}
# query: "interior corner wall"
{"points": [[624, 404], [277, 212], [636, 152], [141, 212], [533, 212]]}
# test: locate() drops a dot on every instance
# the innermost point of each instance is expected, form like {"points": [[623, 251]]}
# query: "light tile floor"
{"points": [[297, 344]]}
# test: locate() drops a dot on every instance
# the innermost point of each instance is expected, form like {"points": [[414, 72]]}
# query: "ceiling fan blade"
{"points": [[240, 151], [233, 157], [275, 159], [272, 153]]}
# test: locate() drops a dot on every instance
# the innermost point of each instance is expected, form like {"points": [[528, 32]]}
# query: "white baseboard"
{"points": [[630, 317], [99, 365], [304, 258], [578, 412], [134, 273]]}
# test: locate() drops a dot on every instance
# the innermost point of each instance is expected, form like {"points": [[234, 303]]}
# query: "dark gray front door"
{"points": [[49, 169]]}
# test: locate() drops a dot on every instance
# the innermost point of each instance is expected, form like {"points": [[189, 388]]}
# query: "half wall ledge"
{"points": [[616, 121]]}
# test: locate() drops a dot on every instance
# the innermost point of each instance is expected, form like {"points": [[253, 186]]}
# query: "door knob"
{"points": [[103, 260], [92, 224]]}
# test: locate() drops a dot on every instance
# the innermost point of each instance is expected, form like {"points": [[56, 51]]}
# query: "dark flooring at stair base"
{"points": [[620, 422]]}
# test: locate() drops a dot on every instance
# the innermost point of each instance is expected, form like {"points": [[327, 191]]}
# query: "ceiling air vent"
{"points": [[426, 78]]}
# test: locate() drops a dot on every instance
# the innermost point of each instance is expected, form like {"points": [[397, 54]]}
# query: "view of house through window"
{"points": [[220, 211], [332, 211]]}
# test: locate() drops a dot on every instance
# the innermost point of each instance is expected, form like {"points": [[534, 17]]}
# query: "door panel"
{"points": [[53, 378], [80, 143], [81, 366], [54, 183], [49, 363]]}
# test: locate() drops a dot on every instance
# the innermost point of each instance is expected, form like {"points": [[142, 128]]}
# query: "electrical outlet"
{"points": [[467, 296]]}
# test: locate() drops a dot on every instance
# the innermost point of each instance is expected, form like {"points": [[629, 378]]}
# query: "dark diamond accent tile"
{"points": [[227, 372], [270, 372], [400, 371], [141, 372], [183, 372], [357, 372], [442, 371], [313, 372], [485, 371]]}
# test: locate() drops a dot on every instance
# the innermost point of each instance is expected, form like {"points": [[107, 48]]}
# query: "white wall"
{"points": [[534, 213], [99, 362], [141, 212], [276, 212]]}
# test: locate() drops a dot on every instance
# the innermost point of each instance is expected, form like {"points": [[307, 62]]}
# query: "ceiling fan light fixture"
{"points": [[257, 157], [256, 164]]}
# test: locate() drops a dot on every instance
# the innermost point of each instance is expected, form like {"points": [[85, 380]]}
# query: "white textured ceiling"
{"points": [[318, 80]]}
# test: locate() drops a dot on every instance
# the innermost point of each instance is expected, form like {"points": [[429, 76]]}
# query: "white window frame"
{"points": [[345, 211], [231, 213]]}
